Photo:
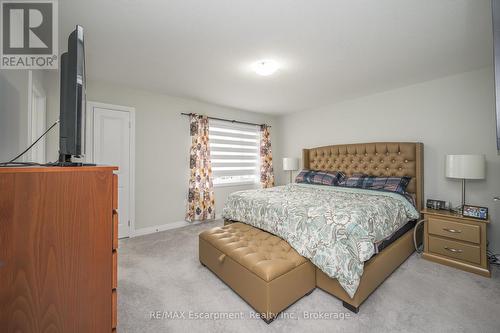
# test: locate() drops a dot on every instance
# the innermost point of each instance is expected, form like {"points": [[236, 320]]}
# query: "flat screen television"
{"points": [[73, 100]]}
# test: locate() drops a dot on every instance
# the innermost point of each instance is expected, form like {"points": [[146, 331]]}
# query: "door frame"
{"points": [[89, 154], [35, 88]]}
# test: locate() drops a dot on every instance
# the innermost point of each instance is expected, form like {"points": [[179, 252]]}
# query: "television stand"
{"points": [[44, 212], [65, 161], [73, 164]]}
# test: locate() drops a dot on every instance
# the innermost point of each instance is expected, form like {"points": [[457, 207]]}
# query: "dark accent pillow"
{"points": [[302, 176], [390, 184], [330, 178], [353, 181]]}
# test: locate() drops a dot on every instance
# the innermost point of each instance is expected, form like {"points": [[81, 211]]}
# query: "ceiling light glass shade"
{"points": [[265, 67]]}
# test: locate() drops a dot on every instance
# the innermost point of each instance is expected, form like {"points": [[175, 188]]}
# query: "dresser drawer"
{"points": [[115, 191], [114, 312], [115, 270], [115, 229], [455, 230], [454, 249]]}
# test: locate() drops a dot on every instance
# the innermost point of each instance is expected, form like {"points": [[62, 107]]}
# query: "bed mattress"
{"points": [[395, 236]]}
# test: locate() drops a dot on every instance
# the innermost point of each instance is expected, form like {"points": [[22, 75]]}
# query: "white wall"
{"points": [[452, 115], [162, 147]]}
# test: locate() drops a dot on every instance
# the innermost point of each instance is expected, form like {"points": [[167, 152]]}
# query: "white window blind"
{"points": [[234, 153]]}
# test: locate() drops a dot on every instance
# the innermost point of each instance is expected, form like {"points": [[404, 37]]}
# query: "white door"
{"points": [[111, 146]]}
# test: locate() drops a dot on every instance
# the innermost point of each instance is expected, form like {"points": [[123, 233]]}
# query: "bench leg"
{"points": [[350, 307]]}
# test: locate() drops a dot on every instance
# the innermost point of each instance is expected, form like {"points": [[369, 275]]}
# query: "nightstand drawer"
{"points": [[453, 249], [456, 230]]}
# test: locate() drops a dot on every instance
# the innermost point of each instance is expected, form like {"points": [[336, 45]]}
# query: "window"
{"points": [[234, 153]]}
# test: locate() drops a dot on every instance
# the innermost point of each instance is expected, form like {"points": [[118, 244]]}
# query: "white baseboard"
{"points": [[164, 227], [158, 228]]}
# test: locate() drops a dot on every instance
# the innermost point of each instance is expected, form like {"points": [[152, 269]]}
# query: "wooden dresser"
{"points": [[456, 241], [58, 249]]}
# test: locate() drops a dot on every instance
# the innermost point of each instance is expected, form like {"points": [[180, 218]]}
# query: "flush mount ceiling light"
{"points": [[265, 67]]}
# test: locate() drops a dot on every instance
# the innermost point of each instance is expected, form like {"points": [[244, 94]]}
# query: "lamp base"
{"points": [[463, 192]]}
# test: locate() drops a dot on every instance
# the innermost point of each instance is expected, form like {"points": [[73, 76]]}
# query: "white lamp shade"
{"points": [[466, 166], [290, 164]]}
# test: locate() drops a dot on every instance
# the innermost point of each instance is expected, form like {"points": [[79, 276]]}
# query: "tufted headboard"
{"points": [[374, 159]]}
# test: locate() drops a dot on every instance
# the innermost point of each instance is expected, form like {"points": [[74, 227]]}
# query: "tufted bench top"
{"points": [[260, 252]]}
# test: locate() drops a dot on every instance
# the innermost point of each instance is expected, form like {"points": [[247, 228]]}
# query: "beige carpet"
{"points": [[160, 276]]}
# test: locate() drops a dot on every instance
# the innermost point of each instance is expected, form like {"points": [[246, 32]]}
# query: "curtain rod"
{"points": [[228, 120]]}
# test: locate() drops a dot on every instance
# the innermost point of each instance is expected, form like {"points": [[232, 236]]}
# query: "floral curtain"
{"points": [[266, 158], [201, 201]]}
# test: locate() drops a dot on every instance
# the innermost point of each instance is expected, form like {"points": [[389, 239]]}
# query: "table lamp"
{"points": [[290, 164], [465, 167]]}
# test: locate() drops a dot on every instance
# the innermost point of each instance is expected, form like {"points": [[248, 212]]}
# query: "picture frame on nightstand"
{"points": [[475, 212]]}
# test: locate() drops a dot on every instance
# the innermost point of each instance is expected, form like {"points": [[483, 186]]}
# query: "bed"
{"points": [[357, 269]]}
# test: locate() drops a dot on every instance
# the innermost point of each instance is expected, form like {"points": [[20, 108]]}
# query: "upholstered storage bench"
{"points": [[262, 268]]}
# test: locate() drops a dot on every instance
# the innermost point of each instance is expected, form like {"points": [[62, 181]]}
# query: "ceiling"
{"points": [[330, 50]]}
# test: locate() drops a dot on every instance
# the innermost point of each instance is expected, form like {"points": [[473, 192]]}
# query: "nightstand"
{"points": [[457, 241]]}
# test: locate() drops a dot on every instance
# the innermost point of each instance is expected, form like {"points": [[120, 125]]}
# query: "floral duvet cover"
{"points": [[334, 227]]}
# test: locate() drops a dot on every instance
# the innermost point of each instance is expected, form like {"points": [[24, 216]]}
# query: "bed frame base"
{"points": [[376, 270], [350, 307]]}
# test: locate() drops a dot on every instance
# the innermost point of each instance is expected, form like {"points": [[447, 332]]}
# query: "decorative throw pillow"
{"points": [[353, 181], [391, 184], [301, 177], [330, 178]]}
